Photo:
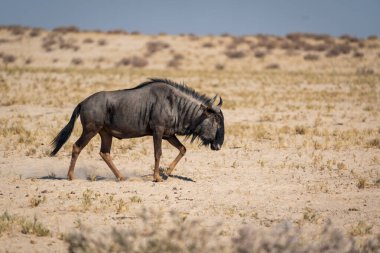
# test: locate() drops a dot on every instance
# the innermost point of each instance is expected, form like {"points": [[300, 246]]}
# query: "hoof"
{"points": [[70, 178], [121, 178], [168, 172], [158, 179]]}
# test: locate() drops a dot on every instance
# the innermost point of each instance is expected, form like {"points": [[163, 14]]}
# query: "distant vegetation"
{"points": [[312, 48]]}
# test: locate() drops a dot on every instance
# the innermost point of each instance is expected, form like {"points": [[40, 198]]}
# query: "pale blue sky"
{"points": [[359, 18]]}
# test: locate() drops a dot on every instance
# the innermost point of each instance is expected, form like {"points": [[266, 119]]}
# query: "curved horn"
{"points": [[220, 102]]}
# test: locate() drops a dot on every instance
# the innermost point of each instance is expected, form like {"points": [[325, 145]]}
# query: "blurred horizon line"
{"points": [[118, 30]]}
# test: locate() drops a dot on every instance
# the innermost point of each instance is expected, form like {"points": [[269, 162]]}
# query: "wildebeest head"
{"points": [[211, 129]]}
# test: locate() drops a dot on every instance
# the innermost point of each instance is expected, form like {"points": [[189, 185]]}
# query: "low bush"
{"points": [[208, 45], [35, 32], [365, 71], [176, 61], [102, 42], [66, 29], [153, 47], [174, 233], [338, 49], [311, 57], [76, 61], [123, 62], [259, 54], [219, 66], [8, 58], [235, 54], [88, 40], [117, 31], [138, 62], [358, 54], [272, 66]]}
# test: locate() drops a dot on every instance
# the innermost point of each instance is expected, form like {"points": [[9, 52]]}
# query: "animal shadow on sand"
{"points": [[96, 178], [182, 178], [165, 177], [101, 178]]}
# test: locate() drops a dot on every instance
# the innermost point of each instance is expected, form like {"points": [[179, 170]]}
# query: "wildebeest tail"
{"points": [[65, 133]]}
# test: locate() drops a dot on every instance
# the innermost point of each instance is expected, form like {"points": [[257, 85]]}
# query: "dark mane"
{"points": [[181, 87]]}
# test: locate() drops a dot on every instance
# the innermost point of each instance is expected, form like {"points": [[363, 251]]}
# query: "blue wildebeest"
{"points": [[158, 107]]}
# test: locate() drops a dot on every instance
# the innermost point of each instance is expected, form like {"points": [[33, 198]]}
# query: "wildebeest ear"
{"points": [[207, 109], [212, 101], [204, 108]]}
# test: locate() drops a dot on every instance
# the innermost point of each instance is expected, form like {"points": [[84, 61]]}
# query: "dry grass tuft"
{"points": [[34, 227], [362, 182], [7, 222], [374, 143], [135, 199], [10, 222], [301, 130], [87, 197], [362, 228], [121, 206], [36, 201]]}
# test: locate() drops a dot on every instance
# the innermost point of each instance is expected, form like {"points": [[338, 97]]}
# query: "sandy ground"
{"points": [[301, 145]]}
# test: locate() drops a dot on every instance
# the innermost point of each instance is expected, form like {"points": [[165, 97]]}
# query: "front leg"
{"points": [[157, 140], [182, 151]]}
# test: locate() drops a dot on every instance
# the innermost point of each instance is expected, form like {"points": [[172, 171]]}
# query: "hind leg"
{"points": [[77, 148], [105, 150]]}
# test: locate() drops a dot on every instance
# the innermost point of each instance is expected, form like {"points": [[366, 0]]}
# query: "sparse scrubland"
{"points": [[299, 170]]}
